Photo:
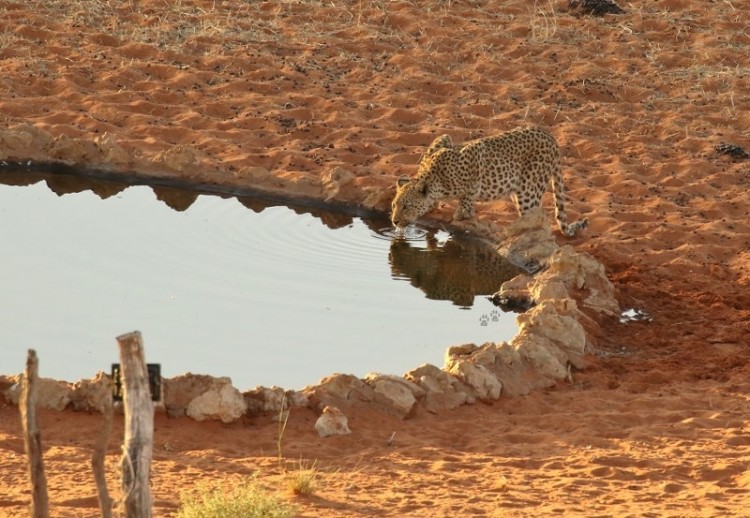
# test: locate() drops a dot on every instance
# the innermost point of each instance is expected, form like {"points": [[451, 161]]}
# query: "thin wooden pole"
{"points": [[100, 452], [32, 438], [137, 447]]}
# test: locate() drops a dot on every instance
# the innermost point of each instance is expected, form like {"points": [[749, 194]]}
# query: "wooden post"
{"points": [[100, 452], [137, 447], [32, 439]]}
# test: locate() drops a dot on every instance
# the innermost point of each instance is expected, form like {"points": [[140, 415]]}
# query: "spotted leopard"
{"points": [[521, 163]]}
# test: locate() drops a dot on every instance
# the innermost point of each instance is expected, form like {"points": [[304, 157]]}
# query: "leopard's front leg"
{"points": [[465, 209]]}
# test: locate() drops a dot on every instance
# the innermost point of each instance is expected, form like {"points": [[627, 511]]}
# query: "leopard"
{"points": [[522, 163]]}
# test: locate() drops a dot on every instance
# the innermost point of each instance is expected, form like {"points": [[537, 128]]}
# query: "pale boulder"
{"points": [[484, 384], [224, 403], [332, 422], [92, 394], [443, 391], [395, 395], [51, 394]]}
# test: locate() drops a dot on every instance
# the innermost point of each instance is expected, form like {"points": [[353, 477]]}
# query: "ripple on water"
{"points": [[410, 233], [223, 286]]}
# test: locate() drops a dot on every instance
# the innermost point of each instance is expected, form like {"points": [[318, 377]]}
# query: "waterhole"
{"points": [[229, 286]]}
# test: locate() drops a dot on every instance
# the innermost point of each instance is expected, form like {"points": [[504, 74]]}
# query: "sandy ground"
{"points": [[336, 99]]}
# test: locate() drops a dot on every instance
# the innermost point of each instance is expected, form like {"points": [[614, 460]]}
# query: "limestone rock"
{"points": [[73, 151], [23, 141], [51, 393], [443, 391], [179, 158], [223, 403], [6, 383], [334, 180], [111, 151], [580, 271], [550, 337], [459, 350], [395, 395], [528, 241], [332, 422], [340, 390], [179, 391], [255, 173], [92, 394], [553, 319], [485, 385], [261, 400]]}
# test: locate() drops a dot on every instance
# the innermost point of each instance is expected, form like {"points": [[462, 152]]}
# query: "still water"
{"points": [[267, 295]]}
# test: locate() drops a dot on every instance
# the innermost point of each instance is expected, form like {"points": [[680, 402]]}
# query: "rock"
{"points": [[459, 350], [514, 295], [22, 142], [92, 394], [73, 151], [256, 173], [507, 365], [179, 391], [341, 390], [6, 382], [580, 271], [528, 240], [395, 395], [332, 422], [261, 400], [484, 384], [443, 391], [334, 180], [223, 403], [51, 393], [179, 158], [554, 319], [112, 153]]}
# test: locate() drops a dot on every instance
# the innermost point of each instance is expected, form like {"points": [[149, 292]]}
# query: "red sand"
{"points": [[658, 423]]}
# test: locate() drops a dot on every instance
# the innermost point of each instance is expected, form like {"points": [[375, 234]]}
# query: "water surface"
{"points": [[268, 295]]}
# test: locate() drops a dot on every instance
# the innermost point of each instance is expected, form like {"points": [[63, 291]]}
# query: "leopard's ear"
{"points": [[403, 180], [422, 187], [443, 141]]}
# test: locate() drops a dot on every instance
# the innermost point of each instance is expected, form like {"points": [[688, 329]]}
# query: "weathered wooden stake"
{"points": [[137, 447], [32, 438], [100, 452]]}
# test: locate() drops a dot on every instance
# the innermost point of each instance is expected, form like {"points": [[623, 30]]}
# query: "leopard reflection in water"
{"points": [[457, 270]]}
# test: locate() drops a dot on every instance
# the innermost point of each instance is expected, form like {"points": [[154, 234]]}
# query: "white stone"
{"points": [[332, 422], [397, 392], [485, 385], [223, 403], [51, 394]]}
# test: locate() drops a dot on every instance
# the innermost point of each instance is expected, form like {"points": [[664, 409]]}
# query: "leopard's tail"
{"points": [[558, 188]]}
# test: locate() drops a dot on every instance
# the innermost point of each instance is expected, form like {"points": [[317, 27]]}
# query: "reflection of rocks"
{"points": [[61, 183], [455, 271], [177, 199]]}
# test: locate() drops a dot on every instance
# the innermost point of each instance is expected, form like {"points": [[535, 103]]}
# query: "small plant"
{"points": [[248, 500], [304, 480]]}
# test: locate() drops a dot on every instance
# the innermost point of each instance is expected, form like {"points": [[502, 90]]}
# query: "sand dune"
{"points": [[336, 100]]}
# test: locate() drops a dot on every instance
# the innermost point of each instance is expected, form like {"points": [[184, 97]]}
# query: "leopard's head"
{"points": [[418, 196], [411, 201]]}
